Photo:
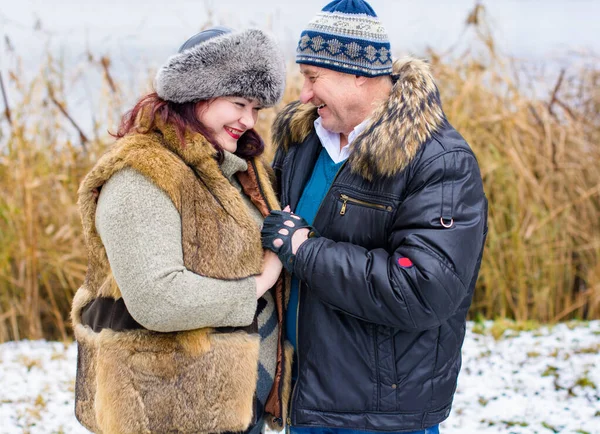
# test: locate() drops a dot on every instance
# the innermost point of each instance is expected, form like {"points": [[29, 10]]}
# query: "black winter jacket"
{"points": [[385, 290]]}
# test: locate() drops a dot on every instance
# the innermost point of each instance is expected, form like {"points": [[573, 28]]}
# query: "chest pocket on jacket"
{"points": [[360, 219]]}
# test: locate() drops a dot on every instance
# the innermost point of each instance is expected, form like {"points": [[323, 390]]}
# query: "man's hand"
{"points": [[298, 238]]}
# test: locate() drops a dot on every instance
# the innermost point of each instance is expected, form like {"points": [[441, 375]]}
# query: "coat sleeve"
{"points": [[428, 270]]}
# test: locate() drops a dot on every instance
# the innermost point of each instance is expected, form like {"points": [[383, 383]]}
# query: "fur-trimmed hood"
{"points": [[399, 125]]}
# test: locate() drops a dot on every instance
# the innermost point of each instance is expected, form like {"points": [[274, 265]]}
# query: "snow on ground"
{"points": [[541, 381]]}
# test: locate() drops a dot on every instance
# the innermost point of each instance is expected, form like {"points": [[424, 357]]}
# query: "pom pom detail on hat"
{"points": [[348, 37]]}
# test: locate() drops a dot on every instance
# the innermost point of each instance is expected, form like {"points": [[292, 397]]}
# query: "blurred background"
{"points": [[519, 79]]}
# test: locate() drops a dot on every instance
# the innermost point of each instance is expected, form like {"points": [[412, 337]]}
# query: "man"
{"points": [[384, 277]]}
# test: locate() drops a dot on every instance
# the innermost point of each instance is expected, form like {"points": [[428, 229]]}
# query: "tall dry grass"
{"points": [[42, 256], [539, 158], [539, 161]]}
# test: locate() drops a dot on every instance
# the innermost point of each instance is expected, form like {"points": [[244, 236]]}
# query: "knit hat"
{"points": [[346, 36], [220, 62]]}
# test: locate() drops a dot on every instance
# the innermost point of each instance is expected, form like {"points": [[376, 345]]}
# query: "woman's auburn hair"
{"points": [[182, 116]]}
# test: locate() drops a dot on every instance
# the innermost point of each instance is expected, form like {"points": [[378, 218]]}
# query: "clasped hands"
{"points": [[283, 233]]}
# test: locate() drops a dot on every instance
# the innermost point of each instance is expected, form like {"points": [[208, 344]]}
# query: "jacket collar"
{"points": [[397, 128]]}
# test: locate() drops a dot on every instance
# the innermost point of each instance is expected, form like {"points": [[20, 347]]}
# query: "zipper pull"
{"points": [[345, 199]]}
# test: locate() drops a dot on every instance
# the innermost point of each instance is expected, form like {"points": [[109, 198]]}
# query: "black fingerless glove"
{"points": [[273, 223]]}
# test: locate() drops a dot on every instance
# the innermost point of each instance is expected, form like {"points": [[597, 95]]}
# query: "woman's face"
{"points": [[227, 118]]}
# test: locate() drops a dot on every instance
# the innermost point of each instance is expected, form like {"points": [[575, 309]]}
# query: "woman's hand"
{"points": [[271, 270]]}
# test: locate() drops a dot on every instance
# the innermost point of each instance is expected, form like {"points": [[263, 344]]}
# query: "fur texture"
{"points": [[247, 64], [398, 127], [137, 380], [196, 381]]}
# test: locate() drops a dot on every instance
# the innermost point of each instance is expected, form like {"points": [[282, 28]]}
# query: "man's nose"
{"points": [[306, 94]]}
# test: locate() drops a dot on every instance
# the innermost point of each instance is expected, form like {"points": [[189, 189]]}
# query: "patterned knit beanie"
{"points": [[346, 36]]}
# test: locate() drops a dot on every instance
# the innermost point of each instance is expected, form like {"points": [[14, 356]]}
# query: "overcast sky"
{"points": [[537, 28]]}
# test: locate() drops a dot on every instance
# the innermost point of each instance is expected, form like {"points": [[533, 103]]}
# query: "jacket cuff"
{"points": [[305, 257]]}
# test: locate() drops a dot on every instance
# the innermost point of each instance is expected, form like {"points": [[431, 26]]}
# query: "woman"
{"points": [[177, 328]]}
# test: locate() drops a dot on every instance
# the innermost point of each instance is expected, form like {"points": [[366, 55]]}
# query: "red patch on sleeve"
{"points": [[405, 262]]}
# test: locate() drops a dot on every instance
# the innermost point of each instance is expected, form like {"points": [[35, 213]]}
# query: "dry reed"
{"points": [[539, 159]]}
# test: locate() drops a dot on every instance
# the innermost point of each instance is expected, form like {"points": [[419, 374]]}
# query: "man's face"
{"points": [[335, 94]]}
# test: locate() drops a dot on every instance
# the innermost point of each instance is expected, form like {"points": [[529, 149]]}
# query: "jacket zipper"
{"points": [[345, 199], [289, 418], [377, 374]]}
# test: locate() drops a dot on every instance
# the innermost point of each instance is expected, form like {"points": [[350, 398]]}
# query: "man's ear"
{"points": [[360, 80]]}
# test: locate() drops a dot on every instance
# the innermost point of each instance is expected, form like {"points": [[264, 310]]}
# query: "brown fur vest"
{"points": [[140, 381]]}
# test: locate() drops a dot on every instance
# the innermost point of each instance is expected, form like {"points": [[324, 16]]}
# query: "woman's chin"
{"points": [[228, 144]]}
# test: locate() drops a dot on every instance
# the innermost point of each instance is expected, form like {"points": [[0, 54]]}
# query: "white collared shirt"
{"points": [[331, 141]]}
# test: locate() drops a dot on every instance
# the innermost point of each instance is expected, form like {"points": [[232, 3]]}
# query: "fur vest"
{"points": [[140, 381]]}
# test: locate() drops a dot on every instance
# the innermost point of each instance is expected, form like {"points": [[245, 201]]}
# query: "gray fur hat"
{"points": [[221, 62]]}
